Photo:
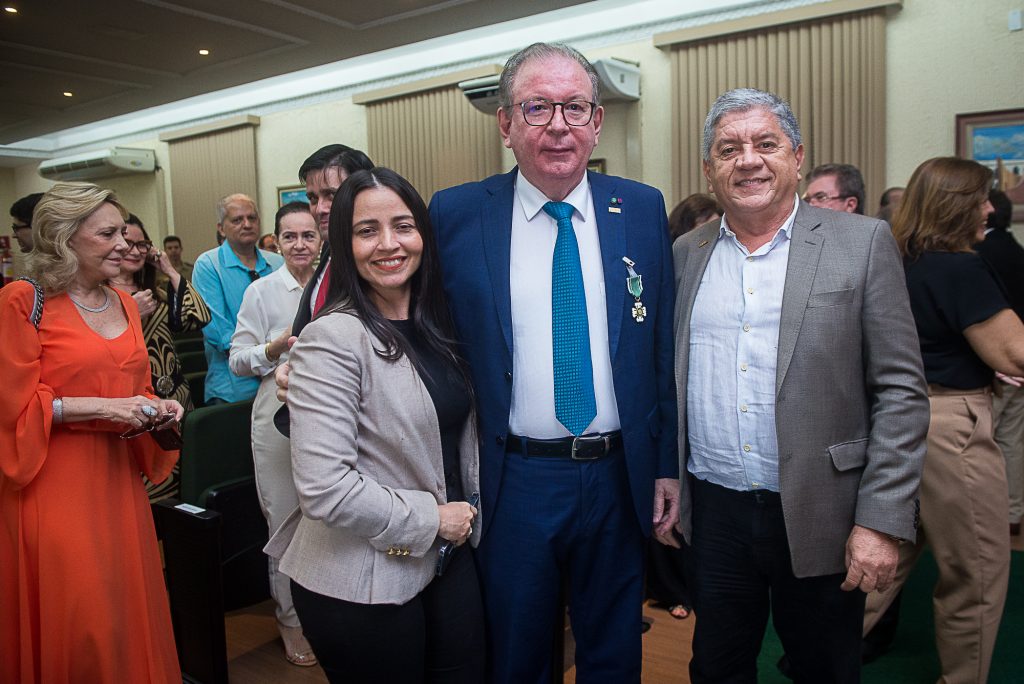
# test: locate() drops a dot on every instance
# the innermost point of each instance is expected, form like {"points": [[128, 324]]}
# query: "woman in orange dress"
{"points": [[82, 597]]}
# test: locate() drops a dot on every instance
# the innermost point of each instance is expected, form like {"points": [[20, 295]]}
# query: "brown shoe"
{"points": [[296, 649]]}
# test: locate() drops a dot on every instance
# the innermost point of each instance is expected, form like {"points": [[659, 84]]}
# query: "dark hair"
{"points": [[1003, 210], [849, 181], [886, 198], [23, 208], [692, 212], [145, 277], [290, 208], [939, 211], [347, 291], [172, 238], [335, 156]]}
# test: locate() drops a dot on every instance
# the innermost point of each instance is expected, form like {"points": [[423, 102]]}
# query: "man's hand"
{"points": [[666, 509], [281, 375], [871, 559]]}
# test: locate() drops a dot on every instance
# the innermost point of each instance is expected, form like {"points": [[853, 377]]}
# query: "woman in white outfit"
{"points": [[259, 345]]}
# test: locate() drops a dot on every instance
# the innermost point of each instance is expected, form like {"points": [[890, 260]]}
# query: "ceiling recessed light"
{"points": [[11, 10], [68, 93], [204, 52]]}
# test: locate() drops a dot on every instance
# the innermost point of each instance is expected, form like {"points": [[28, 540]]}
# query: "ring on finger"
{"points": [[149, 411]]}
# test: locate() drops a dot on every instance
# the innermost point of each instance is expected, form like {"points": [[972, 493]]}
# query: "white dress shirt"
{"points": [[734, 346], [533, 381], [268, 309]]}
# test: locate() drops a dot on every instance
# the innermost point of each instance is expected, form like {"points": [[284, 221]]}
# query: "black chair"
{"points": [[197, 387], [192, 362], [213, 537], [188, 344]]}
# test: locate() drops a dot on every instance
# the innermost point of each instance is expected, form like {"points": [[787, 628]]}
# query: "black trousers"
{"points": [[437, 637], [740, 569]]}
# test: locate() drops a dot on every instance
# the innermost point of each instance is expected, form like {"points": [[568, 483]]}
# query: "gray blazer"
{"points": [[851, 400], [366, 457]]}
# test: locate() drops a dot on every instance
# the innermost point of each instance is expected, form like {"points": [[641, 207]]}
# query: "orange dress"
{"points": [[82, 597]]}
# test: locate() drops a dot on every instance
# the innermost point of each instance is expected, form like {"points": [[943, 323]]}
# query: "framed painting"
{"points": [[596, 165], [291, 193], [996, 139]]}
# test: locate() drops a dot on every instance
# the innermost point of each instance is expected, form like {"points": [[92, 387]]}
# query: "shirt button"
{"points": [[746, 327], [746, 447], [743, 407], [750, 290], [743, 367], [750, 258], [755, 484]]}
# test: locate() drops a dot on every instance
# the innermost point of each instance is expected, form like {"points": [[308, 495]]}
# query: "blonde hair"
{"points": [[939, 211], [52, 262]]}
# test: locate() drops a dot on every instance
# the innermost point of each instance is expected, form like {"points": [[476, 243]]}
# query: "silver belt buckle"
{"points": [[577, 441]]}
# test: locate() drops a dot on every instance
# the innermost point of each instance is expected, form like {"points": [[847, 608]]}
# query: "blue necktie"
{"points": [[575, 405]]}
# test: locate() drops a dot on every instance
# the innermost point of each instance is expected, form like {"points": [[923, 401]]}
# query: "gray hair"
{"points": [[59, 214], [234, 198], [742, 100], [542, 51]]}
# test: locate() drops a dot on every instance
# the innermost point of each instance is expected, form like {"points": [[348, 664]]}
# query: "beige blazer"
{"points": [[851, 404], [366, 457]]}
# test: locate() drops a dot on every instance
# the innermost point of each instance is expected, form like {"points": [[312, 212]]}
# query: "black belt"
{"points": [[583, 448]]}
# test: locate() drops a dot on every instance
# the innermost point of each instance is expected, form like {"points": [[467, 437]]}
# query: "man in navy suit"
{"points": [[560, 285]]}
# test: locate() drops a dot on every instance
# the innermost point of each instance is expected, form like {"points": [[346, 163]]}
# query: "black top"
{"points": [[451, 403], [949, 292], [1006, 257]]}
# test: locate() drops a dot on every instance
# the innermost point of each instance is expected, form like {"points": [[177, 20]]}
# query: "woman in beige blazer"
{"points": [[384, 455]]}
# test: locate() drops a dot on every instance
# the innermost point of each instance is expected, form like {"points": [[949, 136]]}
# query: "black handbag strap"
{"points": [[37, 305]]}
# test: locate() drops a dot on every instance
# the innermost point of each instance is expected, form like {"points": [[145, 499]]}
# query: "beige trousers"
{"points": [[1008, 417], [963, 520]]}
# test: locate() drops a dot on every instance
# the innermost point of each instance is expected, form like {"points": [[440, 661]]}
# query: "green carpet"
{"points": [[912, 659]]}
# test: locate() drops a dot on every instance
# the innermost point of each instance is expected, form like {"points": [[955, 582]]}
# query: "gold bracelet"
{"points": [[266, 352]]}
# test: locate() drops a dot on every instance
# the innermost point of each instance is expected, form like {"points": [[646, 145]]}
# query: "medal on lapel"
{"points": [[635, 287]]}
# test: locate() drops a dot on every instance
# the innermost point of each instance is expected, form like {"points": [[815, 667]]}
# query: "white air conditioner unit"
{"points": [[116, 161], [620, 82]]}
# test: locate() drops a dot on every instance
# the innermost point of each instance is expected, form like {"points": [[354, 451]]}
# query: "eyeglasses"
{"points": [[540, 112], [821, 198], [142, 245], [15, 227]]}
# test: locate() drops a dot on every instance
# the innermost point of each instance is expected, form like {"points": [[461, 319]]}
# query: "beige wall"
{"points": [[946, 57], [285, 139]]}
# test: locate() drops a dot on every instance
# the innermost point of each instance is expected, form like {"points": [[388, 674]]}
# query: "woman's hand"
{"points": [[145, 301], [138, 411], [167, 407], [163, 262], [456, 521]]}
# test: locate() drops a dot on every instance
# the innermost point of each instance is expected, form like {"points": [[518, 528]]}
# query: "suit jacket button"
{"points": [[508, 375], [499, 439]]}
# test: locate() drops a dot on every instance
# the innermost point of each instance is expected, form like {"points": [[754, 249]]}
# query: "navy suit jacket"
{"points": [[473, 224]]}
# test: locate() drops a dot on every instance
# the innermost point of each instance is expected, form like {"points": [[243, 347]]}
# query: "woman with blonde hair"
{"points": [[80, 576], [966, 329]]}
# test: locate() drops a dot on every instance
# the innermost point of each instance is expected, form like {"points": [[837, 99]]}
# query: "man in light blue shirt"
{"points": [[221, 276]]}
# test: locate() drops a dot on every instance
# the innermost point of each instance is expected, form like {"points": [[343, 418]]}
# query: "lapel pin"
{"points": [[635, 287], [702, 243], [614, 208]]}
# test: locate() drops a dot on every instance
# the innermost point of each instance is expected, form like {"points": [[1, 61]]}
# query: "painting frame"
{"points": [[291, 193], [596, 165], [997, 133]]}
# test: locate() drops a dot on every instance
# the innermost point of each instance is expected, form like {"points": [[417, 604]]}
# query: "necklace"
{"points": [[97, 309]]}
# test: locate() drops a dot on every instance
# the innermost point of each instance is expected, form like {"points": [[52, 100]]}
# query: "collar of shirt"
{"points": [[783, 233], [230, 259], [290, 283], [533, 200]]}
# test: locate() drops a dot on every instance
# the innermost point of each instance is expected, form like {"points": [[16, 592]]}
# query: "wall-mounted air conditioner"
{"points": [[620, 82], [115, 161]]}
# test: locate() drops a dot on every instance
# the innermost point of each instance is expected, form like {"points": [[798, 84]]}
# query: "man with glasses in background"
{"points": [[838, 187], [21, 220], [221, 276], [560, 285]]}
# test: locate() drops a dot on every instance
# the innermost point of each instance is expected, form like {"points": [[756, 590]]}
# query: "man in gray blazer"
{"points": [[802, 407]]}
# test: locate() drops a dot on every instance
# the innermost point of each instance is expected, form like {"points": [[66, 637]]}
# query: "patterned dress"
{"points": [[176, 311]]}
